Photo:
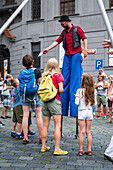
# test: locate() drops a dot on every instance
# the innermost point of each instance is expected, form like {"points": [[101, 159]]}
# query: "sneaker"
{"points": [[13, 134], [30, 133], [97, 116], [8, 117], [80, 153], [45, 149], [60, 152], [25, 141], [107, 114], [109, 158], [109, 121], [89, 153], [18, 136], [2, 124], [22, 134], [101, 113], [105, 117]]}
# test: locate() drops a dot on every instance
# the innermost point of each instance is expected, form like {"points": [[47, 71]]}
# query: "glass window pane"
{"points": [[111, 62]]}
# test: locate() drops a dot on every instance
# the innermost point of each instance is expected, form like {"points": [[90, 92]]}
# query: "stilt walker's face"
{"points": [[64, 24]]}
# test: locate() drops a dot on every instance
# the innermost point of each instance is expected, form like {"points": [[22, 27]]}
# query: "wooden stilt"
{"points": [[76, 136]]}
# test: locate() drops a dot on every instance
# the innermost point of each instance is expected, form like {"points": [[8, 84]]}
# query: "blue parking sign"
{"points": [[98, 64]]}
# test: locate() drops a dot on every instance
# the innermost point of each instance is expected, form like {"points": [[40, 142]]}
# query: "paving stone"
{"points": [[23, 168], [74, 163], [51, 166], [8, 168], [25, 158], [18, 164], [83, 168], [5, 164]]}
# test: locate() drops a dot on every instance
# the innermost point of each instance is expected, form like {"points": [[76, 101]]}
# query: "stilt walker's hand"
{"points": [[45, 51], [84, 52]]}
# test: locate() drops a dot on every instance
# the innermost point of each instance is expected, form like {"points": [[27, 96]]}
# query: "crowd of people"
{"points": [[72, 86]]}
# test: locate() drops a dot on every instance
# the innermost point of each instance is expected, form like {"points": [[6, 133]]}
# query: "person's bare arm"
{"points": [[54, 44], [85, 48], [60, 85], [13, 99], [40, 79]]}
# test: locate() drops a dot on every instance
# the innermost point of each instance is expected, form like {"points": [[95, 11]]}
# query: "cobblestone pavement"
{"points": [[15, 155]]}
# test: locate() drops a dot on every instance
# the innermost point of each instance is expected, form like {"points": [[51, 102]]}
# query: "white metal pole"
{"points": [[106, 20], [13, 16]]}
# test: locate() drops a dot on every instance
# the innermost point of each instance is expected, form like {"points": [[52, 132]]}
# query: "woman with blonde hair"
{"points": [[53, 108], [85, 98]]}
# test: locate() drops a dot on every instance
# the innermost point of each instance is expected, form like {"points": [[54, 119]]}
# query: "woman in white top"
{"points": [[85, 98]]}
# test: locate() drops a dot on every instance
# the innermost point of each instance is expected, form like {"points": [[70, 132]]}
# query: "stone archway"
{"points": [[4, 60]]}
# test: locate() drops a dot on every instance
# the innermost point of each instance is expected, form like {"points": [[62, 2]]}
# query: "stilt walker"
{"points": [[72, 67]]}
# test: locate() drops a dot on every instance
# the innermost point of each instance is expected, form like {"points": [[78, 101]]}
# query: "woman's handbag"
{"points": [[5, 92]]}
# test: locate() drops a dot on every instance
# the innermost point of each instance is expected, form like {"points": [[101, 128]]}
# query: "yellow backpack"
{"points": [[47, 90]]}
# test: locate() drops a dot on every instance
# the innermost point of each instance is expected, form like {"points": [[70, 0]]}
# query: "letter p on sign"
{"points": [[98, 64]]}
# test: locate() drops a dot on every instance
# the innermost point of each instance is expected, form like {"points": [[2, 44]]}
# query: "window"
{"points": [[67, 7], [36, 9], [111, 4], [35, 53], [10, 2], [110, 58]]}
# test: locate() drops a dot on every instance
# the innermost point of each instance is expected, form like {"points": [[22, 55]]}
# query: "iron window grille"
{"points": [[36, 9], [67, 7], [9, 2], [35, 53]]}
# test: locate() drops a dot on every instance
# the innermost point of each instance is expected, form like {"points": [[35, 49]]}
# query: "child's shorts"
{"points": [[101, 100], [85, 114], [51, 108], [17, 114]]}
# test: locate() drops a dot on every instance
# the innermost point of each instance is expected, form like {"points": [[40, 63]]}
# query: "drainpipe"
{"points": [[106, 20], [13, 16]]}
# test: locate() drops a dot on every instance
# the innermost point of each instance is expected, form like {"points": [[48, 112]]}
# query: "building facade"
{"points": [[37, 26]]}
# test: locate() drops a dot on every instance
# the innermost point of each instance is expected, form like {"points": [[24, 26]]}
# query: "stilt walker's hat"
{"points": [[64, 18]]}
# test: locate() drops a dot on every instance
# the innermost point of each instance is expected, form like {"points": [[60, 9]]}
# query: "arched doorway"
{"points": [[4, 60]]}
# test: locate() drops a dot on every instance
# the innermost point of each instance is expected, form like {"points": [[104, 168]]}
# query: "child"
{"points": [[101, 95], [31, 100], [100, 71], [53, 108], [85, 98], [17, 110], [110, 88], [6, 99]]}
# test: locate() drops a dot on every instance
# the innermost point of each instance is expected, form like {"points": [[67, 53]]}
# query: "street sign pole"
{"points": [[13, 16], [106, 20]]}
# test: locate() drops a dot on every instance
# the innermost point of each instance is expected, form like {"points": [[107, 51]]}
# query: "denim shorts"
{"points": [[32, 101], [85, 114]]}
